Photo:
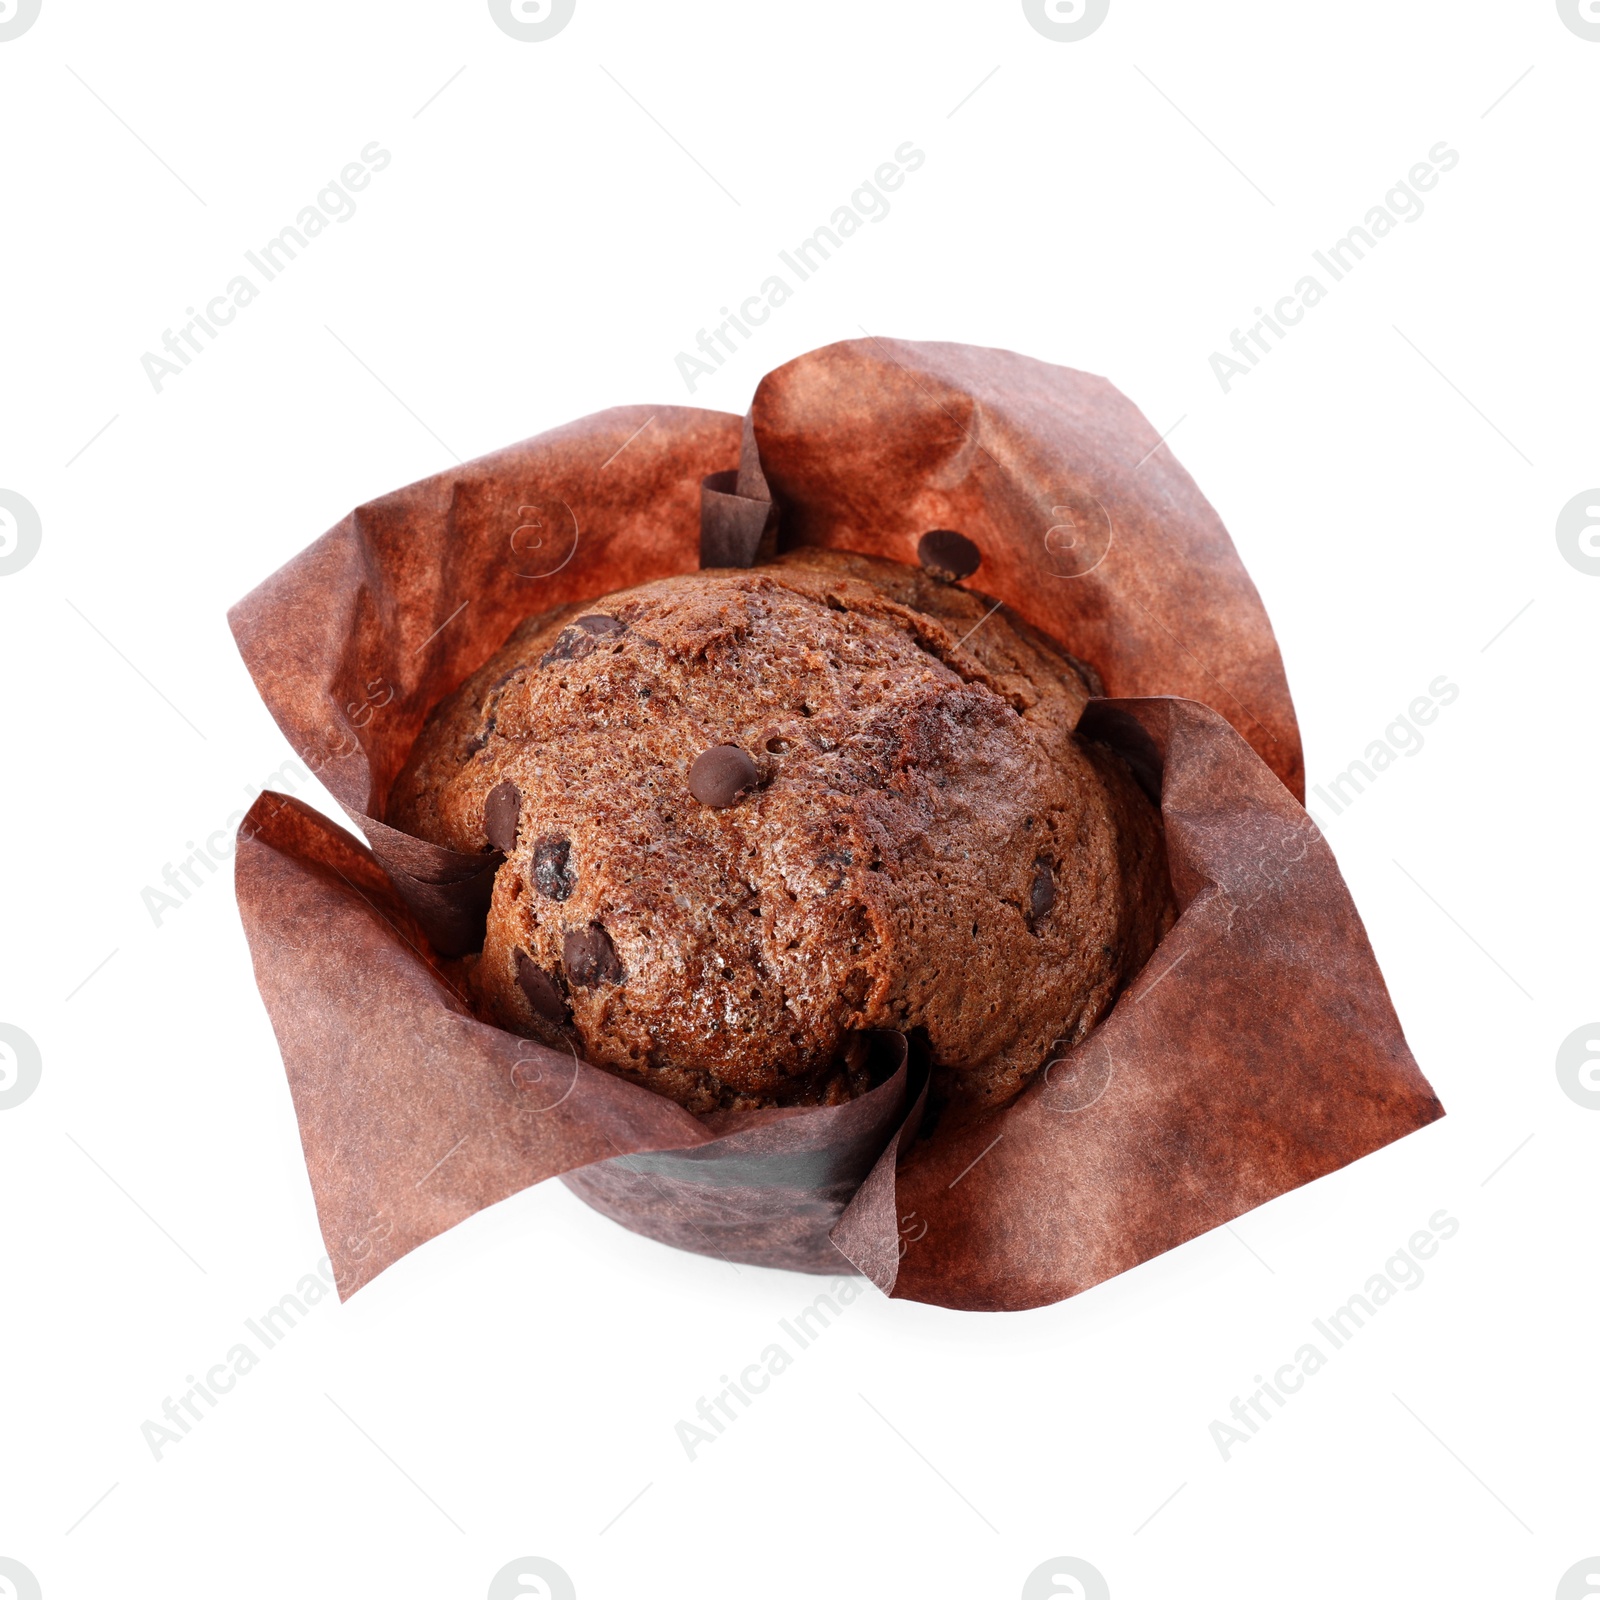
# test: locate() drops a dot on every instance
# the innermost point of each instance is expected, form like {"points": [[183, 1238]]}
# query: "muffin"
{"points": [[751, 816]]}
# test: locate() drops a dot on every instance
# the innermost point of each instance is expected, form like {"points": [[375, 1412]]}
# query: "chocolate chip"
{"points": [[572, 644], [578, 639], [500, 813], [722, 775], [1043, 893], [553, 876], [836, 859], [590, 957], [948, 554], [540, 988]]}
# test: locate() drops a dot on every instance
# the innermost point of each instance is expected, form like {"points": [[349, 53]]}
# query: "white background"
{"points": [[539, 247]]}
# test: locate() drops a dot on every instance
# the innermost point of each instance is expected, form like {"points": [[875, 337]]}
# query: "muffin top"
{"points": [[750, 815]]}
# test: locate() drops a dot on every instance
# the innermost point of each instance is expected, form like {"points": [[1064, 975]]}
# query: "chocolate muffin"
{"points": [[750, 816]]}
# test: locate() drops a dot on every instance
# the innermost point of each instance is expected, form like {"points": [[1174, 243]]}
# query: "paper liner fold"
{"points": [[1257, 1050], [354, 641], [768, 1192], [1089, 527], [738, 521]]}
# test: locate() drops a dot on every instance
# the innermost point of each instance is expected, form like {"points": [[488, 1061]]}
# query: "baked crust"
{"points": [[925, 844]]}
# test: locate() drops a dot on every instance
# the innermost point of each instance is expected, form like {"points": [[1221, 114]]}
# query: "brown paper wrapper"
{"points": [[1256, 1051]]}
